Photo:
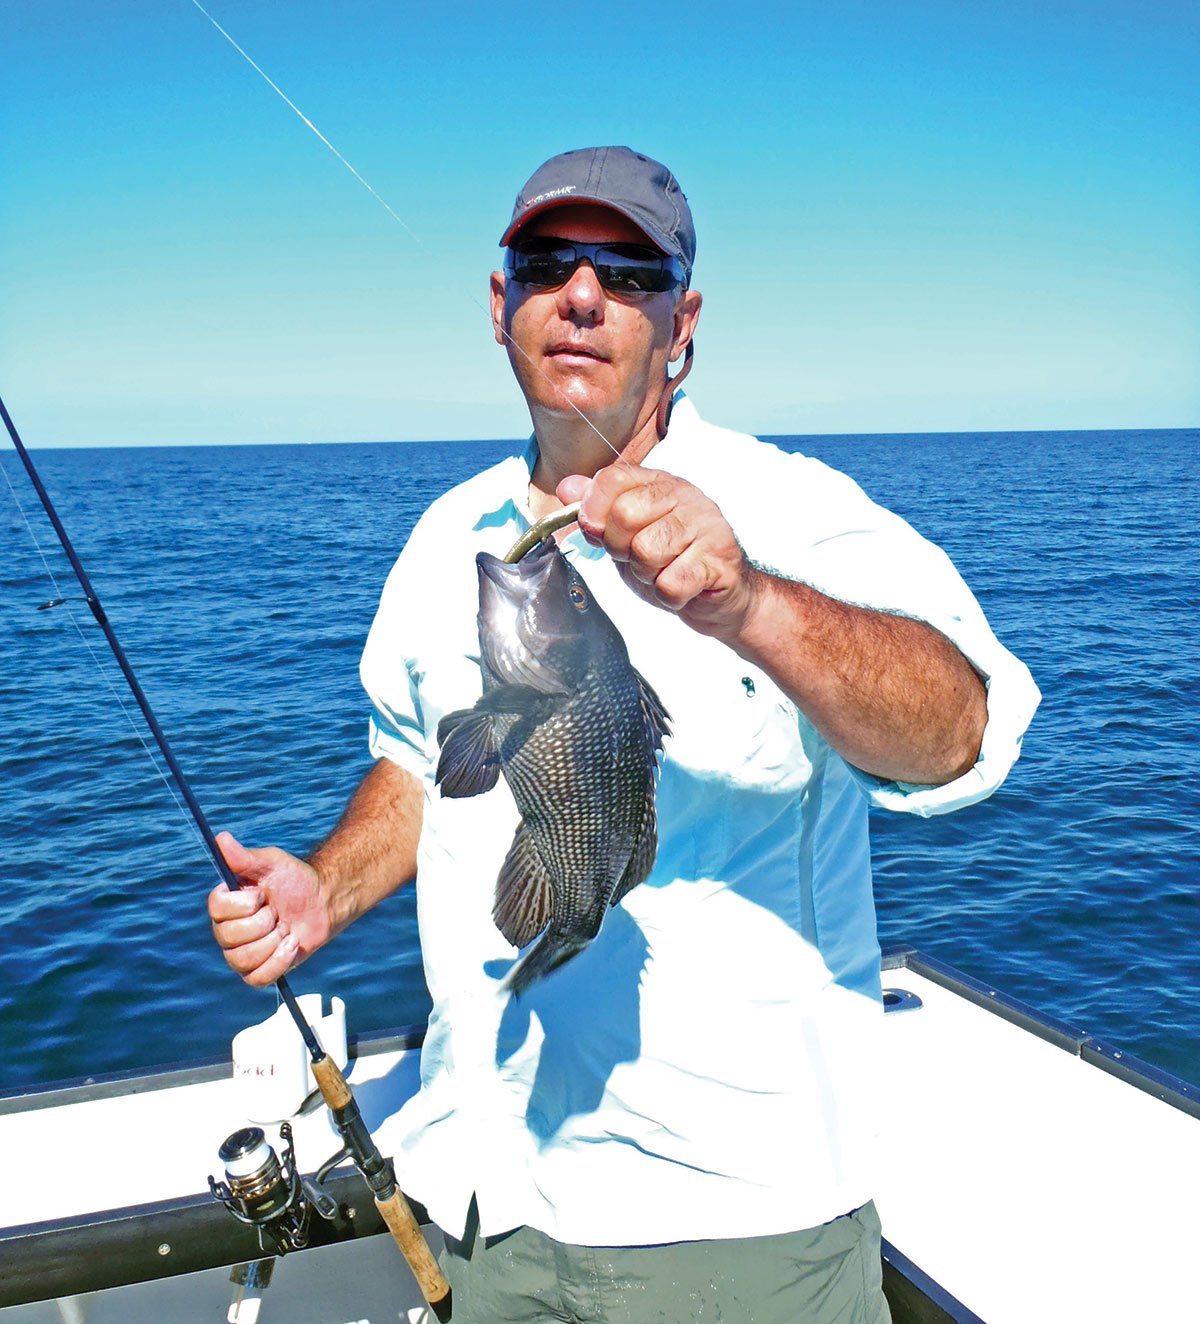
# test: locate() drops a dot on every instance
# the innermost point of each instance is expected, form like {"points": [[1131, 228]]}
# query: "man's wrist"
{"points": [[334, 896], [770, 616]]}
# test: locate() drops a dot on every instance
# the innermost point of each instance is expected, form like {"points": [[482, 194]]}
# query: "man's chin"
{"points": [[571, 394]]}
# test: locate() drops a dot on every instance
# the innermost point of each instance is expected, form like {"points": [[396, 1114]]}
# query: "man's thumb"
{"points": [[245, 863]]}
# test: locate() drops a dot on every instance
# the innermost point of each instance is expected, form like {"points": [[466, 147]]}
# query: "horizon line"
{"points": [[523, 440]]}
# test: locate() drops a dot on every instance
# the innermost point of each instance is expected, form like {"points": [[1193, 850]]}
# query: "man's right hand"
{"points": [[287, 908], [278, 917]]}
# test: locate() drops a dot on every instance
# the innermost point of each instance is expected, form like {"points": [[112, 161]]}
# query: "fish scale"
{"points": [[576, 731], [585, 842]]}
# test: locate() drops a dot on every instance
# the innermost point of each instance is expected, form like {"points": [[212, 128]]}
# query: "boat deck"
{"points": [[1034, 1182], [1035, 1175]]}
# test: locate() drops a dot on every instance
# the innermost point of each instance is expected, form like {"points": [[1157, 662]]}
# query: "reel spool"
{"points": [[262, 1190]]}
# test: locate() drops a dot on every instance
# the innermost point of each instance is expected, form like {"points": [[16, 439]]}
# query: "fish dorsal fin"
{"points": [[523, 893], [645, 848], [470, 759], [657, 725], [655, 719]]}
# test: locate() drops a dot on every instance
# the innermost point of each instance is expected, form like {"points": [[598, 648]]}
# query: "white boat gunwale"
{"points": [[145, 1080], [1132, 1070]]}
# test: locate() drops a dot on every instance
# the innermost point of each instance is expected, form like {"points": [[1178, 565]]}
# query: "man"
{"points": [[675, 1124]]}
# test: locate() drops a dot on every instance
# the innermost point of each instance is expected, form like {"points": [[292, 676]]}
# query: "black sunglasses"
{"points": [[620, 268]]}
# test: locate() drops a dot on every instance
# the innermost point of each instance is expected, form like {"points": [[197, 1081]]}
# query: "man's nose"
{"points": [[582, 295]]}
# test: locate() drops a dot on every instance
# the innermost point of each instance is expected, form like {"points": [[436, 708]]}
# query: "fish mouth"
{"points": [[518, 630], [509, 590], [518, 578]]}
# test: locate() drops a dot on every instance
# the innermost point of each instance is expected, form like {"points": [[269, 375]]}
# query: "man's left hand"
{"points": [[672, 544]]}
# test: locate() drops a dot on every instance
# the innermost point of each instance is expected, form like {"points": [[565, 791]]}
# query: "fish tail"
{"points": [[552, 951]]}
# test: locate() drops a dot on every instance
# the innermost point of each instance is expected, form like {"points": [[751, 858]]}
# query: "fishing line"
{"points": [[292, 105], [407, 229], [61, 600]]}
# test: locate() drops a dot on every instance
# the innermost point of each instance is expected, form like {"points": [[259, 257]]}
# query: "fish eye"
{"points": [[579, 598]]}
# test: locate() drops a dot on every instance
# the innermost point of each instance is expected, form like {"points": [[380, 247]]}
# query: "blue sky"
{"points": [[912, 216]]}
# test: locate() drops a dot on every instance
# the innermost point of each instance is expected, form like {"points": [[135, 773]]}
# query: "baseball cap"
{"points": [[639, 188]]}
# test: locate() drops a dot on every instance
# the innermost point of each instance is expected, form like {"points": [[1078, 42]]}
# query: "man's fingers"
{"points": [[653, 546], [685, 577], [675, 586], [224, 904], [231, 933], [253, 924], [597, 496], [572, 488], [623, 501], [263, 962], [672, 545]]}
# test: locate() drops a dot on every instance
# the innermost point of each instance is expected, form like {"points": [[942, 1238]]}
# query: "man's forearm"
{"points": [[373, 849], [891, 695]]}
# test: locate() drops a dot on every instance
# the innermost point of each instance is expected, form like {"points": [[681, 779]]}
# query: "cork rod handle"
{"points": [[415, 1249], [334, 1089], [393, 1208]]}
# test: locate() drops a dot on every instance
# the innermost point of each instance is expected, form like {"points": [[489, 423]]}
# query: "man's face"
{"points": [[579, 345]]}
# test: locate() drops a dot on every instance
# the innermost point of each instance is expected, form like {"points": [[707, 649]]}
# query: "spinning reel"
{"points": [[266, 1192]]}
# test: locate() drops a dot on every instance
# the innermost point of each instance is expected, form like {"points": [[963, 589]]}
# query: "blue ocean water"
{"points": [[242, 580]]}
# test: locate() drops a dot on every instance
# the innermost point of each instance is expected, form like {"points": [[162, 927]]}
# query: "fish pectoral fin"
{"points": [[523, 892], [645, 848], [519, 701], [470, 758], [656, 721]]}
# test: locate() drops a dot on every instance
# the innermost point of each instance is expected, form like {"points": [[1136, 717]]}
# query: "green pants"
{"points": [[823, 1275]]}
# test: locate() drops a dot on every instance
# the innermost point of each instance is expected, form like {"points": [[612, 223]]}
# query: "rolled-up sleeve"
{"points": [[836, 539], [397, 729], [1012, 699]]}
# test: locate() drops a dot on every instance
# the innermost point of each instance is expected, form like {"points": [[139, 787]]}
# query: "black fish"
{"points": [[576, 732]]}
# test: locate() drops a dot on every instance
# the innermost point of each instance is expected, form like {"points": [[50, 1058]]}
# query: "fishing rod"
{"points": [[262, 1193]]}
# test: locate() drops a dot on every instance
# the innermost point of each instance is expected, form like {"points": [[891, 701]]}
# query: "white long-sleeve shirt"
{"points": [[705, 1067]]}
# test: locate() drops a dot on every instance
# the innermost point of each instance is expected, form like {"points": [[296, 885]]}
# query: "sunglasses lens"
{"points": [[620, 268], [629, 270], [538, 265]]}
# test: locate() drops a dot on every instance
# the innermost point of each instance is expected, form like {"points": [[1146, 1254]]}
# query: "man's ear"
{"points": [[687, 314], [496, 299]]}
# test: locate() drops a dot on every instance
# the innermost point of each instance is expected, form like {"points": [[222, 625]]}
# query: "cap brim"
{"points": [[575, 200]]}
